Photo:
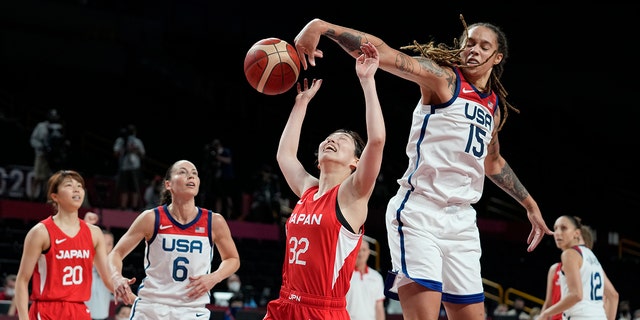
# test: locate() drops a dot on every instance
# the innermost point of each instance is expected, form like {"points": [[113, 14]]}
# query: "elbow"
{"points": [[613, 295], [574, 298], [377, 142]]}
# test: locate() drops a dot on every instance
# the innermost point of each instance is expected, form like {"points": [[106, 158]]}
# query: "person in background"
{"points": [[180, 240], [235, 285], [325, 229], [101, 296], [49, 144], [365, 298], [235, 304], [152, 192], [624, 310], [554, 292], [220, 178], [534, 313], [91, 217], [518, 309], [61, 277], [452, 146], [266, 196], [129, 150], [9, 287], [587, 292], [122, 312], [502, 309], [393, 307]]}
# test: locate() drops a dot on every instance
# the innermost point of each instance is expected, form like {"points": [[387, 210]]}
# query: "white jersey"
{"points": [[431, 223], [365, 291], [592, 277], [174, 253], [447, 147]]}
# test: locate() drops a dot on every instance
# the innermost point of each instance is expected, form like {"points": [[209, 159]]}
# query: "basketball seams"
{"points": [[272, 66]]}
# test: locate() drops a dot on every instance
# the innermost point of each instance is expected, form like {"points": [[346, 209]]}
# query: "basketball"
{"points": [[272, 66]]}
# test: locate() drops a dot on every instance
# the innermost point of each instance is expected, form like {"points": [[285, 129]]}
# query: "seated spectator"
{"points": [[518, 309], [624, 310], [235, 303], [501, 309], [235, 289], [9, 287], [123, 312], [534, 313]]}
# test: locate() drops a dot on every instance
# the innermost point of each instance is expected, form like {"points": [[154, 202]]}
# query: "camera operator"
{"points": [[129, 150], [218, 178]]}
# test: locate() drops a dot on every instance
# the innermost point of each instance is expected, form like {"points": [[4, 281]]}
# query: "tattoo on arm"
{"points": [[403, 63], [349, 41], [430, 66], [509, 182]]}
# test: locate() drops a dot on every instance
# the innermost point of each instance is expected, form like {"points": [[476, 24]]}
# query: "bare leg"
{"points": [[419, 303], [474, 311]]}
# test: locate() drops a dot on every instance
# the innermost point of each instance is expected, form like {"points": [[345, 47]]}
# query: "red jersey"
{"points": [[556, 292], [64, 271], [319, 261]]}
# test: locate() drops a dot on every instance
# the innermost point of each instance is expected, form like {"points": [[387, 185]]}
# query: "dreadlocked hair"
{"points": [[446, 55]]}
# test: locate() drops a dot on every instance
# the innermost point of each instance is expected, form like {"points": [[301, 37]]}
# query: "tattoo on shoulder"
{"points": [[451, 82], [347, 40]]}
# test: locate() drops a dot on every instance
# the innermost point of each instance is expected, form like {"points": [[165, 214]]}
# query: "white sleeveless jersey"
{"points": [[448, 144], [592, 277], [172, 255]]}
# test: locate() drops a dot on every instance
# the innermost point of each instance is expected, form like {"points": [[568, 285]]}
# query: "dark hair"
{"points": [[165, 196], [443, 54], [56, 180], [585, 231], [587, 236], [53, 115], [358, 142], [576, 221]]}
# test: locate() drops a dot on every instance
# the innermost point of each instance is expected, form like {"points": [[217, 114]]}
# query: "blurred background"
{"points": [[174, 70]]}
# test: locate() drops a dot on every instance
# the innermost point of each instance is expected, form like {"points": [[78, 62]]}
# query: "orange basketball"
{"points": [[272, 66]]}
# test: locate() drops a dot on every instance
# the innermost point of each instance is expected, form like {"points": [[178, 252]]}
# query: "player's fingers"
{"points": [[534, 238], [302, 55]]}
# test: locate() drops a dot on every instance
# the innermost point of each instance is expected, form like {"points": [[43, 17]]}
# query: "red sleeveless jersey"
{"points": [[64, 271], [320, 258]]}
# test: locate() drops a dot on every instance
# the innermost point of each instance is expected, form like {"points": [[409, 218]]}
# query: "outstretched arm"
{"points": [[287, 155], [420, 70], [498, 170], [354, 198], [369, 167]]}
